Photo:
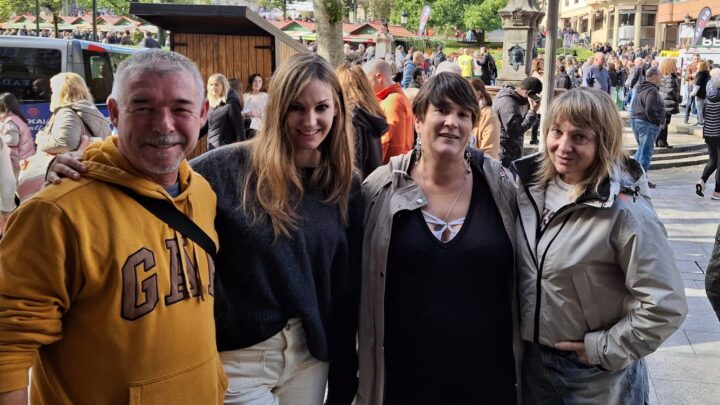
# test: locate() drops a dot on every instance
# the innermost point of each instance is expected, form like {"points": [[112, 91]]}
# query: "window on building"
{"points": [[648, 19], [627, 18]]}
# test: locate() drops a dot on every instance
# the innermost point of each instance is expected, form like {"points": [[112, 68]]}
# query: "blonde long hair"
{"points": [[587, 108], [357, 88], [220, 78], [273, 186], [67, 88]]}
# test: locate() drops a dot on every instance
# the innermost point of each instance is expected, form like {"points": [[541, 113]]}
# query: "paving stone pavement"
{"points": [[686, 368]]}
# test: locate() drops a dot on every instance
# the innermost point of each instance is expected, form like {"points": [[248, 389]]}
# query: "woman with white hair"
{"points": [[598, 285]]}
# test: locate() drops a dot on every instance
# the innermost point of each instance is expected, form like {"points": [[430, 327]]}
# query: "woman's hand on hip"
{"points": [[577, 347]]}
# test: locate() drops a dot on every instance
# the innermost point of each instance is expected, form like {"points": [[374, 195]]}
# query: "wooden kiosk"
{"points": [[232, 40]]}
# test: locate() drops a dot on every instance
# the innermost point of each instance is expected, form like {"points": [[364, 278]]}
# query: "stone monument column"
{"points": [[520, 20]]}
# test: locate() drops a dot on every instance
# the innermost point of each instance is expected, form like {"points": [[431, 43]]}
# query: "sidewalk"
{"points": [[685, 369]]}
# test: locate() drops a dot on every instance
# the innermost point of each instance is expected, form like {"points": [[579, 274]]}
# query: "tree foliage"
{"points": [[279, 4], [484, 16], [380, 9], [450, 15]]}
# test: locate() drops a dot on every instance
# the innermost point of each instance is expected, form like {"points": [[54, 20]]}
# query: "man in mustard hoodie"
{"points": [[106, 302]]}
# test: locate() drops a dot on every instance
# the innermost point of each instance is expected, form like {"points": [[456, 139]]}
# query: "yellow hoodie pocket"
{"points": [[203, 383]]}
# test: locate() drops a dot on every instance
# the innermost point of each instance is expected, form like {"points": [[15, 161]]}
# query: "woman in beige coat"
{"points": [[74, 115], [486, 134]]}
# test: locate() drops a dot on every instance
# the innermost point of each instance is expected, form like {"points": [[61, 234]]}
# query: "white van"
{"points": [[28, 63]]}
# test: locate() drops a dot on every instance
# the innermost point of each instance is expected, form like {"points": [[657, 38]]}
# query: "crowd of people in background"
{"points": [[143, 39]]}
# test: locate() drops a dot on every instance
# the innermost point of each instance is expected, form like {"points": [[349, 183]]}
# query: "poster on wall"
{"points": [[701, 23]]}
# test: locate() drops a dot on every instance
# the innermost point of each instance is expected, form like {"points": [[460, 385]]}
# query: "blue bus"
{"points": [[28, 63]]}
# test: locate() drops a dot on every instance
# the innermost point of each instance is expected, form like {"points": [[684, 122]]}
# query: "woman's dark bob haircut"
{"points": [[441, 88]]}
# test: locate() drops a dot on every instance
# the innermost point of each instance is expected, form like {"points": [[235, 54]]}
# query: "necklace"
{"points": [[457, 197]]}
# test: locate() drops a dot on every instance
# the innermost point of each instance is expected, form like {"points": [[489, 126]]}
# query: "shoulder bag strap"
{"points": [[175, 218]]}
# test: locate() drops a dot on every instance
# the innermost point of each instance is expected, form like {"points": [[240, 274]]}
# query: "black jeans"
{"points": [[712, 164], [662, 138], [535, 129]]}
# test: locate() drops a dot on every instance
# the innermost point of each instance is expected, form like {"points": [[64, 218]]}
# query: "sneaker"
{"points": [[698, 125], [653, 185], [534, 142], [715, 196]]}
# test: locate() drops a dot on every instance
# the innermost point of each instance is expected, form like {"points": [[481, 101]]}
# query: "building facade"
{"points": [[618, 22], [677, 21]]}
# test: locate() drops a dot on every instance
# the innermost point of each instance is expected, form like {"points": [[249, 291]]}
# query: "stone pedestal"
{"points": [[520, 20]]}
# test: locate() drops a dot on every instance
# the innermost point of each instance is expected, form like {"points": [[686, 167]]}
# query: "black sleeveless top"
{"points": [[448, 323]]}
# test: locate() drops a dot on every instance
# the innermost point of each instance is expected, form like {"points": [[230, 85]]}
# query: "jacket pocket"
{"points": [[586, 299], [204, 383]]}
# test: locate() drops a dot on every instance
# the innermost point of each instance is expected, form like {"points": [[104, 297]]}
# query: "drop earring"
{"points": [[418, 149]]}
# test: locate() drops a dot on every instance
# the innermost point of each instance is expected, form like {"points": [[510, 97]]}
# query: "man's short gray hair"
{"points": [[652, 72], [156, 61]]}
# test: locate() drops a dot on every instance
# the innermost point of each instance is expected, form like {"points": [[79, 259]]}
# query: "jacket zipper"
{"points": [[538, 286]]}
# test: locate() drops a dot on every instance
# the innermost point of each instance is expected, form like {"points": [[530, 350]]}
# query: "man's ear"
{"points": [[204, 110], [113, 111]]}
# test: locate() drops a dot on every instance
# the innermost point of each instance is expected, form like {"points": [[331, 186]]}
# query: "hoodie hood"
{"points": [[645, 87], [105, 163], [626, 179], [375, 125], [98, 125], [509, 91]]}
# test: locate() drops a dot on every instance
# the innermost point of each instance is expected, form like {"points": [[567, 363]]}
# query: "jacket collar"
{"points": [[629, 179], [393, 88]]}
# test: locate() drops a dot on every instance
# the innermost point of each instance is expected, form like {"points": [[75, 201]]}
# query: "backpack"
{"points": [[492, 67]]}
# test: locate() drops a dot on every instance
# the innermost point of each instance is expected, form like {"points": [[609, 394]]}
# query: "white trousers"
{"points": [[278, 371]]}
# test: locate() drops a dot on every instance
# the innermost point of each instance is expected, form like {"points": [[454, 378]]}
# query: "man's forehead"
{"points": [[163, 85]]}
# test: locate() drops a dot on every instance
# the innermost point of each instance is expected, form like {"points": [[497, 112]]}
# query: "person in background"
{"points": [[465, 61], [383, 41], [517, 113], [417, 61], [486, 133], [398, 113], [647, 117], [712, 276], [74, 115], [437, 264], [148, 41], [537, 72], [254, 100], [562, 80], [488, 67], [670, 92], [595, 75], [702, 77], [368, 118], [399, 58], [15, 132], [598, 284], [690, 71], [634, 79], [711, 133], [8, 184], [225, 121]]}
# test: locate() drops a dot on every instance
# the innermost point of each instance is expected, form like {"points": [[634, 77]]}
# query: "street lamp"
{"points": [[403, 18]]}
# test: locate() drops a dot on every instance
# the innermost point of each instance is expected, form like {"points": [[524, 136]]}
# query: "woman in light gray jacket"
{"points": [[598, 282]]}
